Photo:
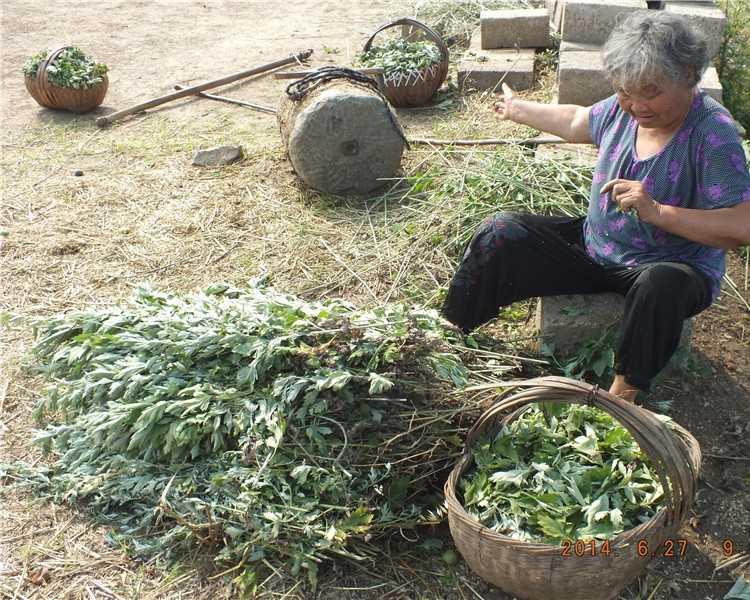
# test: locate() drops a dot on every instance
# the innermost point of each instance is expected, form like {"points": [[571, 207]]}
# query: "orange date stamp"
{"points": [[669, 548]]}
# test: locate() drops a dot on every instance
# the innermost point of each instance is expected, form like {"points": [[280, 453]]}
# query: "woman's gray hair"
{"points": [[650, 45]]}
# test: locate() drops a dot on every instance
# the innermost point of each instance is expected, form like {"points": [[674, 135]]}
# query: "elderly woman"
{"points": [[669, 195]]}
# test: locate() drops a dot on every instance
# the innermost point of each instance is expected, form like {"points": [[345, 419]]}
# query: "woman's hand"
{"points": [[631, 195], [503, 107]]}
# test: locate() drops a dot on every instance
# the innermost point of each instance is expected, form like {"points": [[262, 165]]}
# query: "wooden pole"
{"points": [[258, 107], [192, 90], [490, 141]]}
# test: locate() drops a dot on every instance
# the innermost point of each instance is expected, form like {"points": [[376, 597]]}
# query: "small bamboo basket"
{"points": [[49, 95], [532, 571], [417, 87]]}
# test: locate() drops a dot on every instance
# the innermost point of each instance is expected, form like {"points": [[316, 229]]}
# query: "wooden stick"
{"points": [[301, 74], [192, 90], [259, 107], [535, 141]]}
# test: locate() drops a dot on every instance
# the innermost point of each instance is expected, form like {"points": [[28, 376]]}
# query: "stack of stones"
{"points": [[504, 47], [502, 50], [584, 26]]}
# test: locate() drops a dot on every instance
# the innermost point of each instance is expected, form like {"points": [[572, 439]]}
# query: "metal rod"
{"points": [[258, 107], [535, 141]]}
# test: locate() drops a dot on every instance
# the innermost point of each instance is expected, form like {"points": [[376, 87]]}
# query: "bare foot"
{"points": [[623, 389]]}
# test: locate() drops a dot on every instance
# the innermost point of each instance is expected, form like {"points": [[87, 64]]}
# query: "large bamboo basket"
{"points": [[49, 95], [540, 571], [417, 87]]}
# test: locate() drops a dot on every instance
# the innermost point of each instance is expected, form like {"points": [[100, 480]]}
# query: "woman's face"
{"points": [[661, 105]]}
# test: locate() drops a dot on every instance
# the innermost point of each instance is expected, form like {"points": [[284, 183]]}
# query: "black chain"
{"points": [[299, 89]]}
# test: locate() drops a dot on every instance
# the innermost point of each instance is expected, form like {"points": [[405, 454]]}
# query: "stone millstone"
{"points": [[341, 138]]}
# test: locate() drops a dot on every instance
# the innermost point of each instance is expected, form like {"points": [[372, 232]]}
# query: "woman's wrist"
{"points": [[515, 110]]}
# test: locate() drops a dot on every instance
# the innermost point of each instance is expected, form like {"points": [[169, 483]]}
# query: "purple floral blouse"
{"points": [[703, 166]]}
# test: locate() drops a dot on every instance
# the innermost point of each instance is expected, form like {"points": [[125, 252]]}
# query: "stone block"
{"points": [[556, 15], [579, 47], [710, 84], [581, 79], [567, 322], [591, 21], [516, 28], [583, 155], [702, 2], [707, 18], [485, 69]]}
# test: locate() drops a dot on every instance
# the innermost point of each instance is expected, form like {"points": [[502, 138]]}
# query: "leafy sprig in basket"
{"points": [[66, 78], [412, 71], [401, 57]]}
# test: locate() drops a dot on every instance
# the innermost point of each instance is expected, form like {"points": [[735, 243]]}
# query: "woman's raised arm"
{"points": [[568, 121]]}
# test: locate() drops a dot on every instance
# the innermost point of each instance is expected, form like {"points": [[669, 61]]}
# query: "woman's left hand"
{"points": [[632, 195]]}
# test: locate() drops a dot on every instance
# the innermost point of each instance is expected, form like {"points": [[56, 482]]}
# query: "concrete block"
{"points": [[579, 47], [555, 10], [517, 28], [485, 69], [556, 16], [703, 2], [707, 18], [581, 79], [584, 155], [591, 21], [711, 85], [567, 322]]}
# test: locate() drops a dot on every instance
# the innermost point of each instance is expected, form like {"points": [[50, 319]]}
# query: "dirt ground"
{"points": [[141, 213]]}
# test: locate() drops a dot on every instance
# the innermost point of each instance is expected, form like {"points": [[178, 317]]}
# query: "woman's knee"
{"points": [[505, 225], [670, 285]]}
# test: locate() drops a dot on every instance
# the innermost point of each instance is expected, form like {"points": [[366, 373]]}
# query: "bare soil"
{"points": [[140, 212]]}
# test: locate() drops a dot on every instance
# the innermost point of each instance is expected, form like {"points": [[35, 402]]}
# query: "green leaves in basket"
{"points": [[400, 57], [560, 472], [71, 69]]}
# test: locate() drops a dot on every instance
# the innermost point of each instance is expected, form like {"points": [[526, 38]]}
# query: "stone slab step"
{"points": [[581, 79], [591, 21], [711, 85], [515, 28], [567, 322], [709, 19], [485, 69]]}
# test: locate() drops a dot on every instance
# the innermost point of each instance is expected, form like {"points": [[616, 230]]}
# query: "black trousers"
{"points": [[514, 256]]}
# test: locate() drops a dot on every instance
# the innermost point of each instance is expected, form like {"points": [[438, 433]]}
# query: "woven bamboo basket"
{"points": [[532, 571], [417, 87], [49, 95]]}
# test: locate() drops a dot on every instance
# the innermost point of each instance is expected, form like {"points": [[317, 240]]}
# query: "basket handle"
{"points": [[503, 406], [414, 23], [41, 71]]}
